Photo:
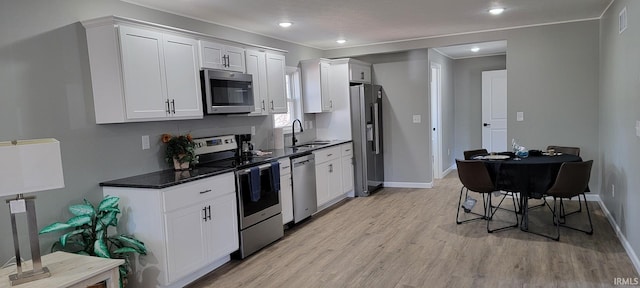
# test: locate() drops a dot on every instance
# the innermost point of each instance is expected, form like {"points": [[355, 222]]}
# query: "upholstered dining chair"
{"points": [[565, 149], [572, 180], [468, 155], [572, 151], [474, 177]]}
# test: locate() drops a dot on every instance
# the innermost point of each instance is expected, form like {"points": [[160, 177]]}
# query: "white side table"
{"points": [[69, 270]]}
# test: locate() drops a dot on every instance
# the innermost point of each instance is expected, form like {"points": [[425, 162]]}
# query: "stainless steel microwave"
{"points": [[225, 92]]}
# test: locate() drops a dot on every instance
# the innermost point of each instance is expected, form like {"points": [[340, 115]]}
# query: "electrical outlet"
{"points": [[613, 191], [417, 118], [253, 130], [145, 142], [448, 152]]}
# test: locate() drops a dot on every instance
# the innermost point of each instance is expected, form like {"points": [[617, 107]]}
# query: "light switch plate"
{"points": [[253, 130], [417, 119], [520, 116], [145, 142]]}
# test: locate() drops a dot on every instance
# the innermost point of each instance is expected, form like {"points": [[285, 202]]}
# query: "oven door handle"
{"points": [[261, 167]]}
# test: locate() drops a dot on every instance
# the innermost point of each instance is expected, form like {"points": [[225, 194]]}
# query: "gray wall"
{"points": [[45, 90], [619, 157], [467, 82], [404, 77], [447, 114]]}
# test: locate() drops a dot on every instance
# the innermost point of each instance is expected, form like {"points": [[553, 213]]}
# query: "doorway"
{"points": [[436, 119]]}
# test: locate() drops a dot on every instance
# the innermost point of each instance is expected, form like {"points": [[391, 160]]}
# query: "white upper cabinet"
{"points": [[276, 83], [257, 67], [220, 56], [315, 86], [359, 73], [268, 71], [142, 74]]}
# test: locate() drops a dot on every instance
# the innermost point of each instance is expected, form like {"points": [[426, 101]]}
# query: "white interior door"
{"points": [[436, 134], [494, 110]]}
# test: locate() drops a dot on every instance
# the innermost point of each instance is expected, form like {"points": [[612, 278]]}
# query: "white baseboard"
{"points": [[625, 243], [449, 170], [408, 184]]}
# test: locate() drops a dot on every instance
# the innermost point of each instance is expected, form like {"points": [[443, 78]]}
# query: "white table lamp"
{"points": [[29, 166]]}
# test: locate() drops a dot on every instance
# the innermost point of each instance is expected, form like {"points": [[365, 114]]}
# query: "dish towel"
{"points": [[254, 184], [275, 176]]}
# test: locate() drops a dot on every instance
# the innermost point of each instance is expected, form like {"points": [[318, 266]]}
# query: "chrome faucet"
{"points": [[293, 131]]}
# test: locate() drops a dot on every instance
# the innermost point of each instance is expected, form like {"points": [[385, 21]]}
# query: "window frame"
{"points": [[295, 90]]}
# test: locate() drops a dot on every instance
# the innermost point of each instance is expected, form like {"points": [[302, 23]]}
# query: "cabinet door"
{"points": [[359, 73], [235, 58], [256, 66], [347, 174], [222, 228], [335, 178], [185, 241], [286, 198], [183, 78], [211, 55], [327, 103], [276, 83], [322, 183], [143, 73]]}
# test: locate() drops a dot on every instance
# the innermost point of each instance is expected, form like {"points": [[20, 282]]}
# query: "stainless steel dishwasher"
{"points": [[304, 187]]}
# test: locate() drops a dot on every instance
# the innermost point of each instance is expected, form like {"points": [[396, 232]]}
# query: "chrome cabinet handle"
{"points": [[331, 103], [168, 109], [329, 155], [224, 61], [173, 103], [205, 191], [209, 208], [330, 168], [263, 108], [271, 104], [361, 75], [205, 214]]}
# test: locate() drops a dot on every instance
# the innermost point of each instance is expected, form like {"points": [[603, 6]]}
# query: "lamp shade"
{"points": [[30, 166]]}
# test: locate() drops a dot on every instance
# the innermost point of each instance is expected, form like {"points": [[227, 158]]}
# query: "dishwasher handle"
{"points": [[303, 160]]}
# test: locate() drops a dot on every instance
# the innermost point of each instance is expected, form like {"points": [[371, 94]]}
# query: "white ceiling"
{"points": [[319, 23]]}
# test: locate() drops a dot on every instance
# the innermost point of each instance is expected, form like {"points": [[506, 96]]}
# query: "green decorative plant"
{"points": [[91, 235], [181, 147]]}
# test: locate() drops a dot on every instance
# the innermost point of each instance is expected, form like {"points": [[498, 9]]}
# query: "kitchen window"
{"points": [[294, 104]]}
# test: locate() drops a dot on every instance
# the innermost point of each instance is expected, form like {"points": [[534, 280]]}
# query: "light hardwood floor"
{"points": [[409, 238]]}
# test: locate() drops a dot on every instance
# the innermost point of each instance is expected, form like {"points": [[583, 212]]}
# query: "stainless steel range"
{"points": [[257, 189]]}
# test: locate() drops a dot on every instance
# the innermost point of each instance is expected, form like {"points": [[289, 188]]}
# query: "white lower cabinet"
{"points": [[328, 175], [189, 229], [347, 167], [286, 190]]}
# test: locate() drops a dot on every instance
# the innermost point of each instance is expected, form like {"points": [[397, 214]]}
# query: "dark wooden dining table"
{"points": [[531, 176]]}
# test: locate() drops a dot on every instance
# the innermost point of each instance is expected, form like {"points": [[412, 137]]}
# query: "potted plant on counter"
{"points": [[180, 150], [90, 234]]}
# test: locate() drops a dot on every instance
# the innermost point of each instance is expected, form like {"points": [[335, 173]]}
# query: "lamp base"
{"points": [[28, 276]]}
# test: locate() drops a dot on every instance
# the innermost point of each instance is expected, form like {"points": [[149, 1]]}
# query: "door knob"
{"points": [[486, 124]]}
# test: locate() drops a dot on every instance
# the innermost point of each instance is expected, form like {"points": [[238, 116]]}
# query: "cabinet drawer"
{"points": [[327, 154], [347, 149], [285, 166], [195, 192]]}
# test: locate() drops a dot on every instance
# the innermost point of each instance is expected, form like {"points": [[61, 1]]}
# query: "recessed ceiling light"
{"points": [[496, 11], [285, 24], [475, 49], [341, 41]]}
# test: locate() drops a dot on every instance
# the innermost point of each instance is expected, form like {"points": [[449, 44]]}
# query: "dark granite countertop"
{"points": [[170, 177], [166, 178]]}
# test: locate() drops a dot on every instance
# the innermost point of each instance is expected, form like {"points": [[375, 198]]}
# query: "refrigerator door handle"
{"points": [[376, 118]]}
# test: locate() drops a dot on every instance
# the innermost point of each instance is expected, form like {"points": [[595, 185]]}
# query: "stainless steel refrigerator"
{"points": [[366, 126]]}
